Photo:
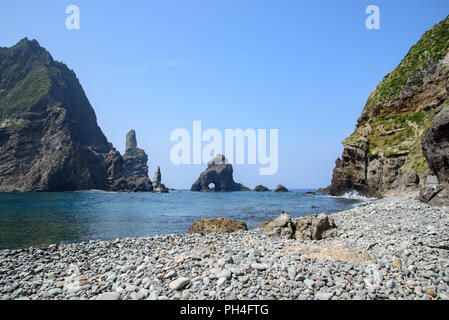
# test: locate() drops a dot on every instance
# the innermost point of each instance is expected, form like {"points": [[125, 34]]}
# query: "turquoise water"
{"points": [[36, 219]]}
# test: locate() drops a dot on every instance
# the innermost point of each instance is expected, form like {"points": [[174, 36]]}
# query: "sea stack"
{"points": [[158, 187], [219, 173], [135, 167]]}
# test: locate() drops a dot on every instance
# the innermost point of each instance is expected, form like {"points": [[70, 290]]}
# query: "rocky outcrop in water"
{"points": [[49, 136], [134, 173], [280, 188], [158, 186], [261, 188], [219, 173], [384, 154]]}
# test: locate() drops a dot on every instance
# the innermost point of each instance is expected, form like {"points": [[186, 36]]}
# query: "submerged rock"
{"points": [[219, 225], [219, 173]]}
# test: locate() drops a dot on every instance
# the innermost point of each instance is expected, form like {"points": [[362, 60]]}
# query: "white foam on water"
{"points": [[354, 195]]}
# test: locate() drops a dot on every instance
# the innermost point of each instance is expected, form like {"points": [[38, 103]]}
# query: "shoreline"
{"points": [[391, 248]]}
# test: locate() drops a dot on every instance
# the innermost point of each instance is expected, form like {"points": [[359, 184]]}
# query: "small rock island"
{"points": [[219, 173]]}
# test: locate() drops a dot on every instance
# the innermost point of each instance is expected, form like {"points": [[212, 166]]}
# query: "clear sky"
{"points": [[303, 67]]}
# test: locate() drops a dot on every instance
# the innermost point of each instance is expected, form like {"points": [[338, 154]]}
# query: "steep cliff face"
{"points": [[384, 153], [49, 136]]}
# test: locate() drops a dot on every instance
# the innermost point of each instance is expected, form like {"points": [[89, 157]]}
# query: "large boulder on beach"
{"points": [[280, 188], [261, 188], [218, 225], [217, 177], [314, 227], [280, 226]]}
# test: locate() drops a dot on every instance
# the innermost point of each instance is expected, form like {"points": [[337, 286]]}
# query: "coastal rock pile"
{"points": [[219, 174], [218, 225]]}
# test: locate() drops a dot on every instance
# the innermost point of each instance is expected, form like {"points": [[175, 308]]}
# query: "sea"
{"points": [[41, 218]]}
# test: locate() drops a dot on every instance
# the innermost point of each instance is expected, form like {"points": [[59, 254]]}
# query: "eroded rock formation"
{"points": [[217, 177]]}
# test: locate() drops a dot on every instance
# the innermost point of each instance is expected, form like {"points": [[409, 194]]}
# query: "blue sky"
{"points": [[303, 67]]}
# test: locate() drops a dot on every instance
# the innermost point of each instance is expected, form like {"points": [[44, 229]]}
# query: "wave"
{"points": [[354, 195]]}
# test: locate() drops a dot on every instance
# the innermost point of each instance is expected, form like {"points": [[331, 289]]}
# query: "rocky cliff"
{"points": [[49, 136], [384, 153]]}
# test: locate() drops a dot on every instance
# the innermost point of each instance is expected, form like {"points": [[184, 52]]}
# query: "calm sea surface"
{"points": [[36, 219]]}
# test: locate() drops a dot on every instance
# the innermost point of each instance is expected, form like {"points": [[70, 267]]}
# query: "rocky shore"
{"points": [[394, 248]]}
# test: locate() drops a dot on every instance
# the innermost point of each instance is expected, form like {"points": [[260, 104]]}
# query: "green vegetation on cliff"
{"points": [[432, 47], [24, 80], [384, 152]]}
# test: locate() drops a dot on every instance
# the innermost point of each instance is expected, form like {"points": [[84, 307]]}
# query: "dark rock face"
{"points": [[435, 146], [280, 188], [261, 188], [219, 173], [158, 187], [383, 155], [219, 225], [49, 136]]}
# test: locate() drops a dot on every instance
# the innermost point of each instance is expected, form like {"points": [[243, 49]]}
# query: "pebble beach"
{"points": [[394, 248]]}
